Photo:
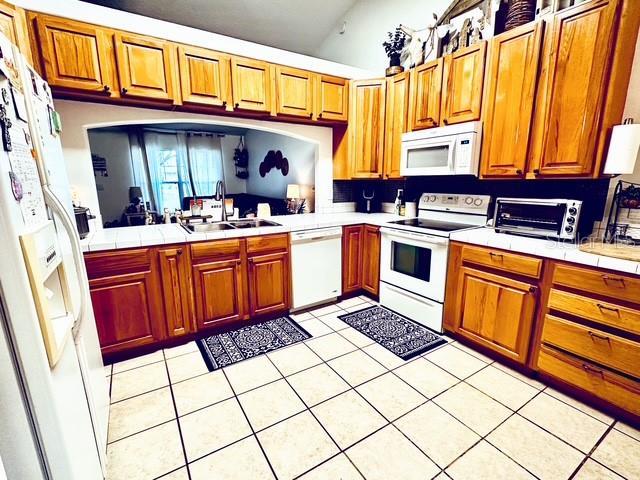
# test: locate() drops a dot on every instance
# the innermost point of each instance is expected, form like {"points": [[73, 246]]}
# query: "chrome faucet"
{"points": [[220, 193]]}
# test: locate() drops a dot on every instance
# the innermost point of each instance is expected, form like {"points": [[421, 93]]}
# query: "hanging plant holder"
{"points": [[241, 160]]}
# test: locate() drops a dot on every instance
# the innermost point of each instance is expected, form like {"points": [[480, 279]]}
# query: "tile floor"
{"points": [[339, 406]]}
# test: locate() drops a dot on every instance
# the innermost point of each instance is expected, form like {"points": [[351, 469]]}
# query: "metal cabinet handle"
{"points": [[589, 369], [320, 115], [445, 121], [605, 307], [519, 172], [598, 336], [224, 103], [124, 91], [533, 289], [237, 105], [179, 251], [608, 278], [496, 255], [310, 114], [536, 171], [106, 89]]}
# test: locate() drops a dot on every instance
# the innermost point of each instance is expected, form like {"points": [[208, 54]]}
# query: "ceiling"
{"points": [[294, 25]]}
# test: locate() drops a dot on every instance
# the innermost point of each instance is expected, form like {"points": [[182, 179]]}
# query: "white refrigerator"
{"points": [[54, 400]]}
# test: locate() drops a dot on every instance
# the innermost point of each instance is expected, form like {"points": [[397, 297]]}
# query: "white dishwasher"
{"points": [[316, 266]]}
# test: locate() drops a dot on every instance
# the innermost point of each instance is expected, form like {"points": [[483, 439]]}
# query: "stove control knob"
{"points": [[573, 211], [468, 200], [477, 202], [571, 220], [568, 229], [432, 198]]}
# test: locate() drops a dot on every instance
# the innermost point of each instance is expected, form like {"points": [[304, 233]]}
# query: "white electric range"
{"points": [[414, 254]]}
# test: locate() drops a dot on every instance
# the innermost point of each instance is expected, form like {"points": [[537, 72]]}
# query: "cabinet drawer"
{"points": [[596, 345], [113, 262], [606, 313], [622, 287], [268, 243], [509, 262], [216, 249], [602, 383]]}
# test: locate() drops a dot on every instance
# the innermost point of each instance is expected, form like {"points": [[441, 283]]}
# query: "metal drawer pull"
{"points": [[590, 369], [496, 255], [606, 278], [611, 309], [601, 337]]}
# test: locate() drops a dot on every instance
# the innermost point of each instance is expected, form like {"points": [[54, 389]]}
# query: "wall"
{"points": [[78, 117], [113, 190], [368, 22], [232, 184], [301, 156]]}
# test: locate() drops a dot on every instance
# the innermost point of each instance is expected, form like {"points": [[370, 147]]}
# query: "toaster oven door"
{"points": [[543, 219]]}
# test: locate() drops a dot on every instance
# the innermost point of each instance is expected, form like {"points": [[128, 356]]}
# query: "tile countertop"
{"points": [[146, 235], [543, 248]]}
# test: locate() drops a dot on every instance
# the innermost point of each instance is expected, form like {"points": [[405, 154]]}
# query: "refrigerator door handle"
{"points": [[58, 208]]}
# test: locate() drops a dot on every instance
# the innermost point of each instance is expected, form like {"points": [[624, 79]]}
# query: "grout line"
{"points": [[264, 453], [593, 449], [175, 411]]}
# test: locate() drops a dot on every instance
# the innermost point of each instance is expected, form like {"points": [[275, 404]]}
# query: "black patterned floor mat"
{"points": [[247, 342]]}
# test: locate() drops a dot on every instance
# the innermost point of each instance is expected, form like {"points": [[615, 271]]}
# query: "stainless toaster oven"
{"points": [[547, 218]]}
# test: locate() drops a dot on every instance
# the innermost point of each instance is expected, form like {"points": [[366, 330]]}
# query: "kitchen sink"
{"points": [[230, 225], [253, 223]]}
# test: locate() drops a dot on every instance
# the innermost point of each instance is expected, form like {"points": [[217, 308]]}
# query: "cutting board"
{"points": [[626, 252]]}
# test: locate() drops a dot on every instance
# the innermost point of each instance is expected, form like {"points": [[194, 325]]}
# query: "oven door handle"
{"points": [[413, 296], [414, 236]]}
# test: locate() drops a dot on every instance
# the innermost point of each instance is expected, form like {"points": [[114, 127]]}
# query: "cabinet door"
{"points": [[294, 92], [496, 312], [332, 98], [252, 85], [268, 283], [205, 77], [76, 55], [146, 67], [219, 290], [371, 259], [352, 243], [462, 84], [396, 122], [367, 127], [573, 86], [175, 278], [13, 24], [512, 70], [426, 95], [127, 310]]}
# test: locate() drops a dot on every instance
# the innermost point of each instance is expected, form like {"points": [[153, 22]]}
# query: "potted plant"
{"points": [[393, 48]]}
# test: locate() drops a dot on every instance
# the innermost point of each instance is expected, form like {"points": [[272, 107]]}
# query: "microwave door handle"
{"points": [[452, 155]]}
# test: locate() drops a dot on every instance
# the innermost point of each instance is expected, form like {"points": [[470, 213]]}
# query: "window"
{"points": [[173, 182]]}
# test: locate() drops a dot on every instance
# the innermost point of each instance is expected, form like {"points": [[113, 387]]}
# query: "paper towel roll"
{"points": [[623, 149]]}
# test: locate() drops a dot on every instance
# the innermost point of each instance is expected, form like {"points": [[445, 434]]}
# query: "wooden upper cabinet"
{"points": [[496, 312], [205, 76], [76, 55], [13, 24], [426, 95], [462, 83], [367, 117], [511, 74], [573, 85], [252, 84], [175, 279], [146, 67], [294, 92], [397, 100], [332, 98]]}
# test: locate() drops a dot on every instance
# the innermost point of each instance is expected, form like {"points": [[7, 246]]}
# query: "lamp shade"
{"points": [[134, 192], [623, 149], [293, 190]]}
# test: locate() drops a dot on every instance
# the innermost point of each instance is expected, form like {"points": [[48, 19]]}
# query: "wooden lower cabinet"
{"points": [[219, 289], [371, 259], [126, 297], [496, 311], [351, 259], [360, 259], [268, 283], [175, 277]]}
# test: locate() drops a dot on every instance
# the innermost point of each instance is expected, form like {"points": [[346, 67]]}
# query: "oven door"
{"points": [[415, 262], [429, 156]]}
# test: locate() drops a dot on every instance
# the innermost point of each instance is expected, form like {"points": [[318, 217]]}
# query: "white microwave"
{"points": [[450, 150]]}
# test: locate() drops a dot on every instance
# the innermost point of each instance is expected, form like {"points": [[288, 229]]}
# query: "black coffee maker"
{"points": [[368, 201]]}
